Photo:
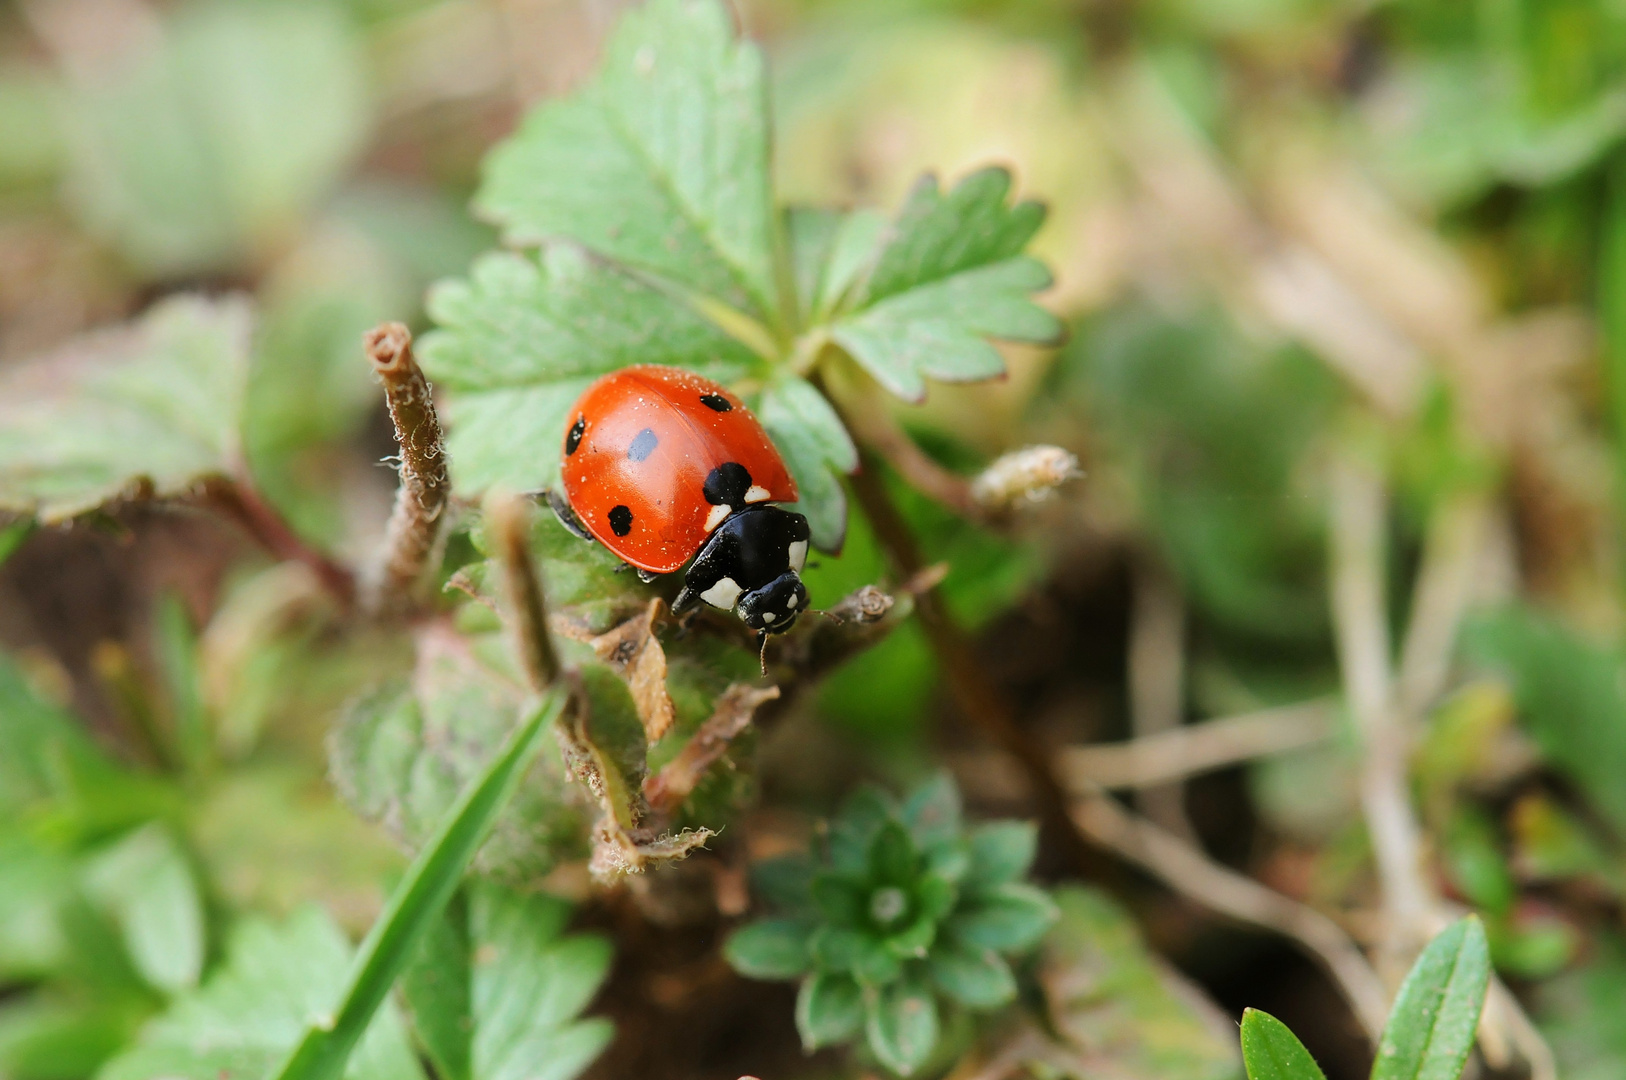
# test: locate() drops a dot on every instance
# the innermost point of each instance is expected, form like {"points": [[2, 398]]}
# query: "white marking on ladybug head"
{"points": [[798, 555], [717, 515], [725, 594], [756, 494], [768, 616], [790, 602]]}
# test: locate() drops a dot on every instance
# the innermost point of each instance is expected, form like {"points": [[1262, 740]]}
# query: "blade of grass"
{"points": [[1612, 312], [418, 901]]}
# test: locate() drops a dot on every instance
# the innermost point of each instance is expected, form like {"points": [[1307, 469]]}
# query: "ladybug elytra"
{"points": [[662, 467]]}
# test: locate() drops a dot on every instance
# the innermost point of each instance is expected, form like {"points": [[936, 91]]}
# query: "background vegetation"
{"points": [[1321, 653]]}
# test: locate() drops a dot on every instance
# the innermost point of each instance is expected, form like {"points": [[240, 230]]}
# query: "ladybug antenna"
{"points": [[762, 650]]}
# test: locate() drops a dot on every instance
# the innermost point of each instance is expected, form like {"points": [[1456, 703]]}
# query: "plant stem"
{"points": [[238, 500], [1157, 631], [957, 658], [1360, 625], [508, 520], [420, 501], [1194, 875]]}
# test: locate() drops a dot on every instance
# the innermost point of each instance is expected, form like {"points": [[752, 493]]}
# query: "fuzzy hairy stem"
{"points": [[239, 501], [420, 502], [508, 522]]}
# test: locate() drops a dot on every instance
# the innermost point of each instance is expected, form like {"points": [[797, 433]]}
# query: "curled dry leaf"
{"points": [[666, 790], [635, 654]]}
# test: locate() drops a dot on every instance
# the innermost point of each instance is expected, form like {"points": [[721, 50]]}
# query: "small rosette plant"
{"points": [[908, 914]]}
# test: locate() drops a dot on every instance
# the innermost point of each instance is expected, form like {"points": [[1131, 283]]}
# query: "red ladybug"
{"points": [[662, 466]]}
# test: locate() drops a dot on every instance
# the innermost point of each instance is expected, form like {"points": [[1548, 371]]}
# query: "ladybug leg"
{"points": [[647, 576], [567, 517]]}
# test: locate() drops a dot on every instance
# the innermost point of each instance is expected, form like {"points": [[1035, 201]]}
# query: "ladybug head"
{"points": [[774, 607]]}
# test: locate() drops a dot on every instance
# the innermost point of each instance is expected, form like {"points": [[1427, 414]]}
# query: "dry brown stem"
{"points": [[666, 790], [1197, 877], [508, 519], [1198, 748], [420, 502]]}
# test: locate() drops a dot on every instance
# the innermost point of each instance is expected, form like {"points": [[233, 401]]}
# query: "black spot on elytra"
{"points": [[643, 445], [715, 402], [574, 439], [621, 520], [727, 484]]}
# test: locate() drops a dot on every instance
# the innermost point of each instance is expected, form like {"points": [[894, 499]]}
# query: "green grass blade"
{"points": [[1271, 1051], [1431, 1027], [418, 901]]}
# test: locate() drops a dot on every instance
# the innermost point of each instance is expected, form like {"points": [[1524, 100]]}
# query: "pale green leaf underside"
{"points": [[1431, 1027], [242, 1022], [146, 883], [661, 162], [520, 340], [159, 403]]}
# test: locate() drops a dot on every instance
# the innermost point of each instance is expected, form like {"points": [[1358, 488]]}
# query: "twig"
{"points": [[962, 669], [1198, 748], [508, 522], [1197, 877], [1501, 1005], [1446, 583], [1360, 624], [420, 501], [239, 501], [666, 790], [1157, 630]]}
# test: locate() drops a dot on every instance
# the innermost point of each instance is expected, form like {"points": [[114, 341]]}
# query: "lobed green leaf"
{"points": [[661, 162]]}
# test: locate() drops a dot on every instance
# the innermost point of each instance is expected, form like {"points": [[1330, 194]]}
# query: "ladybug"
{"points": [[664, 468]]}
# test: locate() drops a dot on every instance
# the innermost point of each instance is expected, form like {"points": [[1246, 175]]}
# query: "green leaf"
{"points": [[976, 978], [901, 1025], [841, 900], [1007, 918], [176, 645], [829, 252], [661, 162], [829, 1009], [816, 449], [435, 990], [419, 899], [1002, 851], [950, 276], [1272, 1052], [1570, 696], [206, 150], [853, 829], [528, 985], [401, 754], [838, 948], [770, 949], [52, 1034], [146, 883], [520, 340], [243, 1020], [874, 963], [1431, 1027], [932, 812], [892, 858], [156, 406], [1579, 1013], [12, 537]]}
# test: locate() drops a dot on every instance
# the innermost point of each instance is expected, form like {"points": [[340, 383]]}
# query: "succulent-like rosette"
{"points": [[907, 912]]}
